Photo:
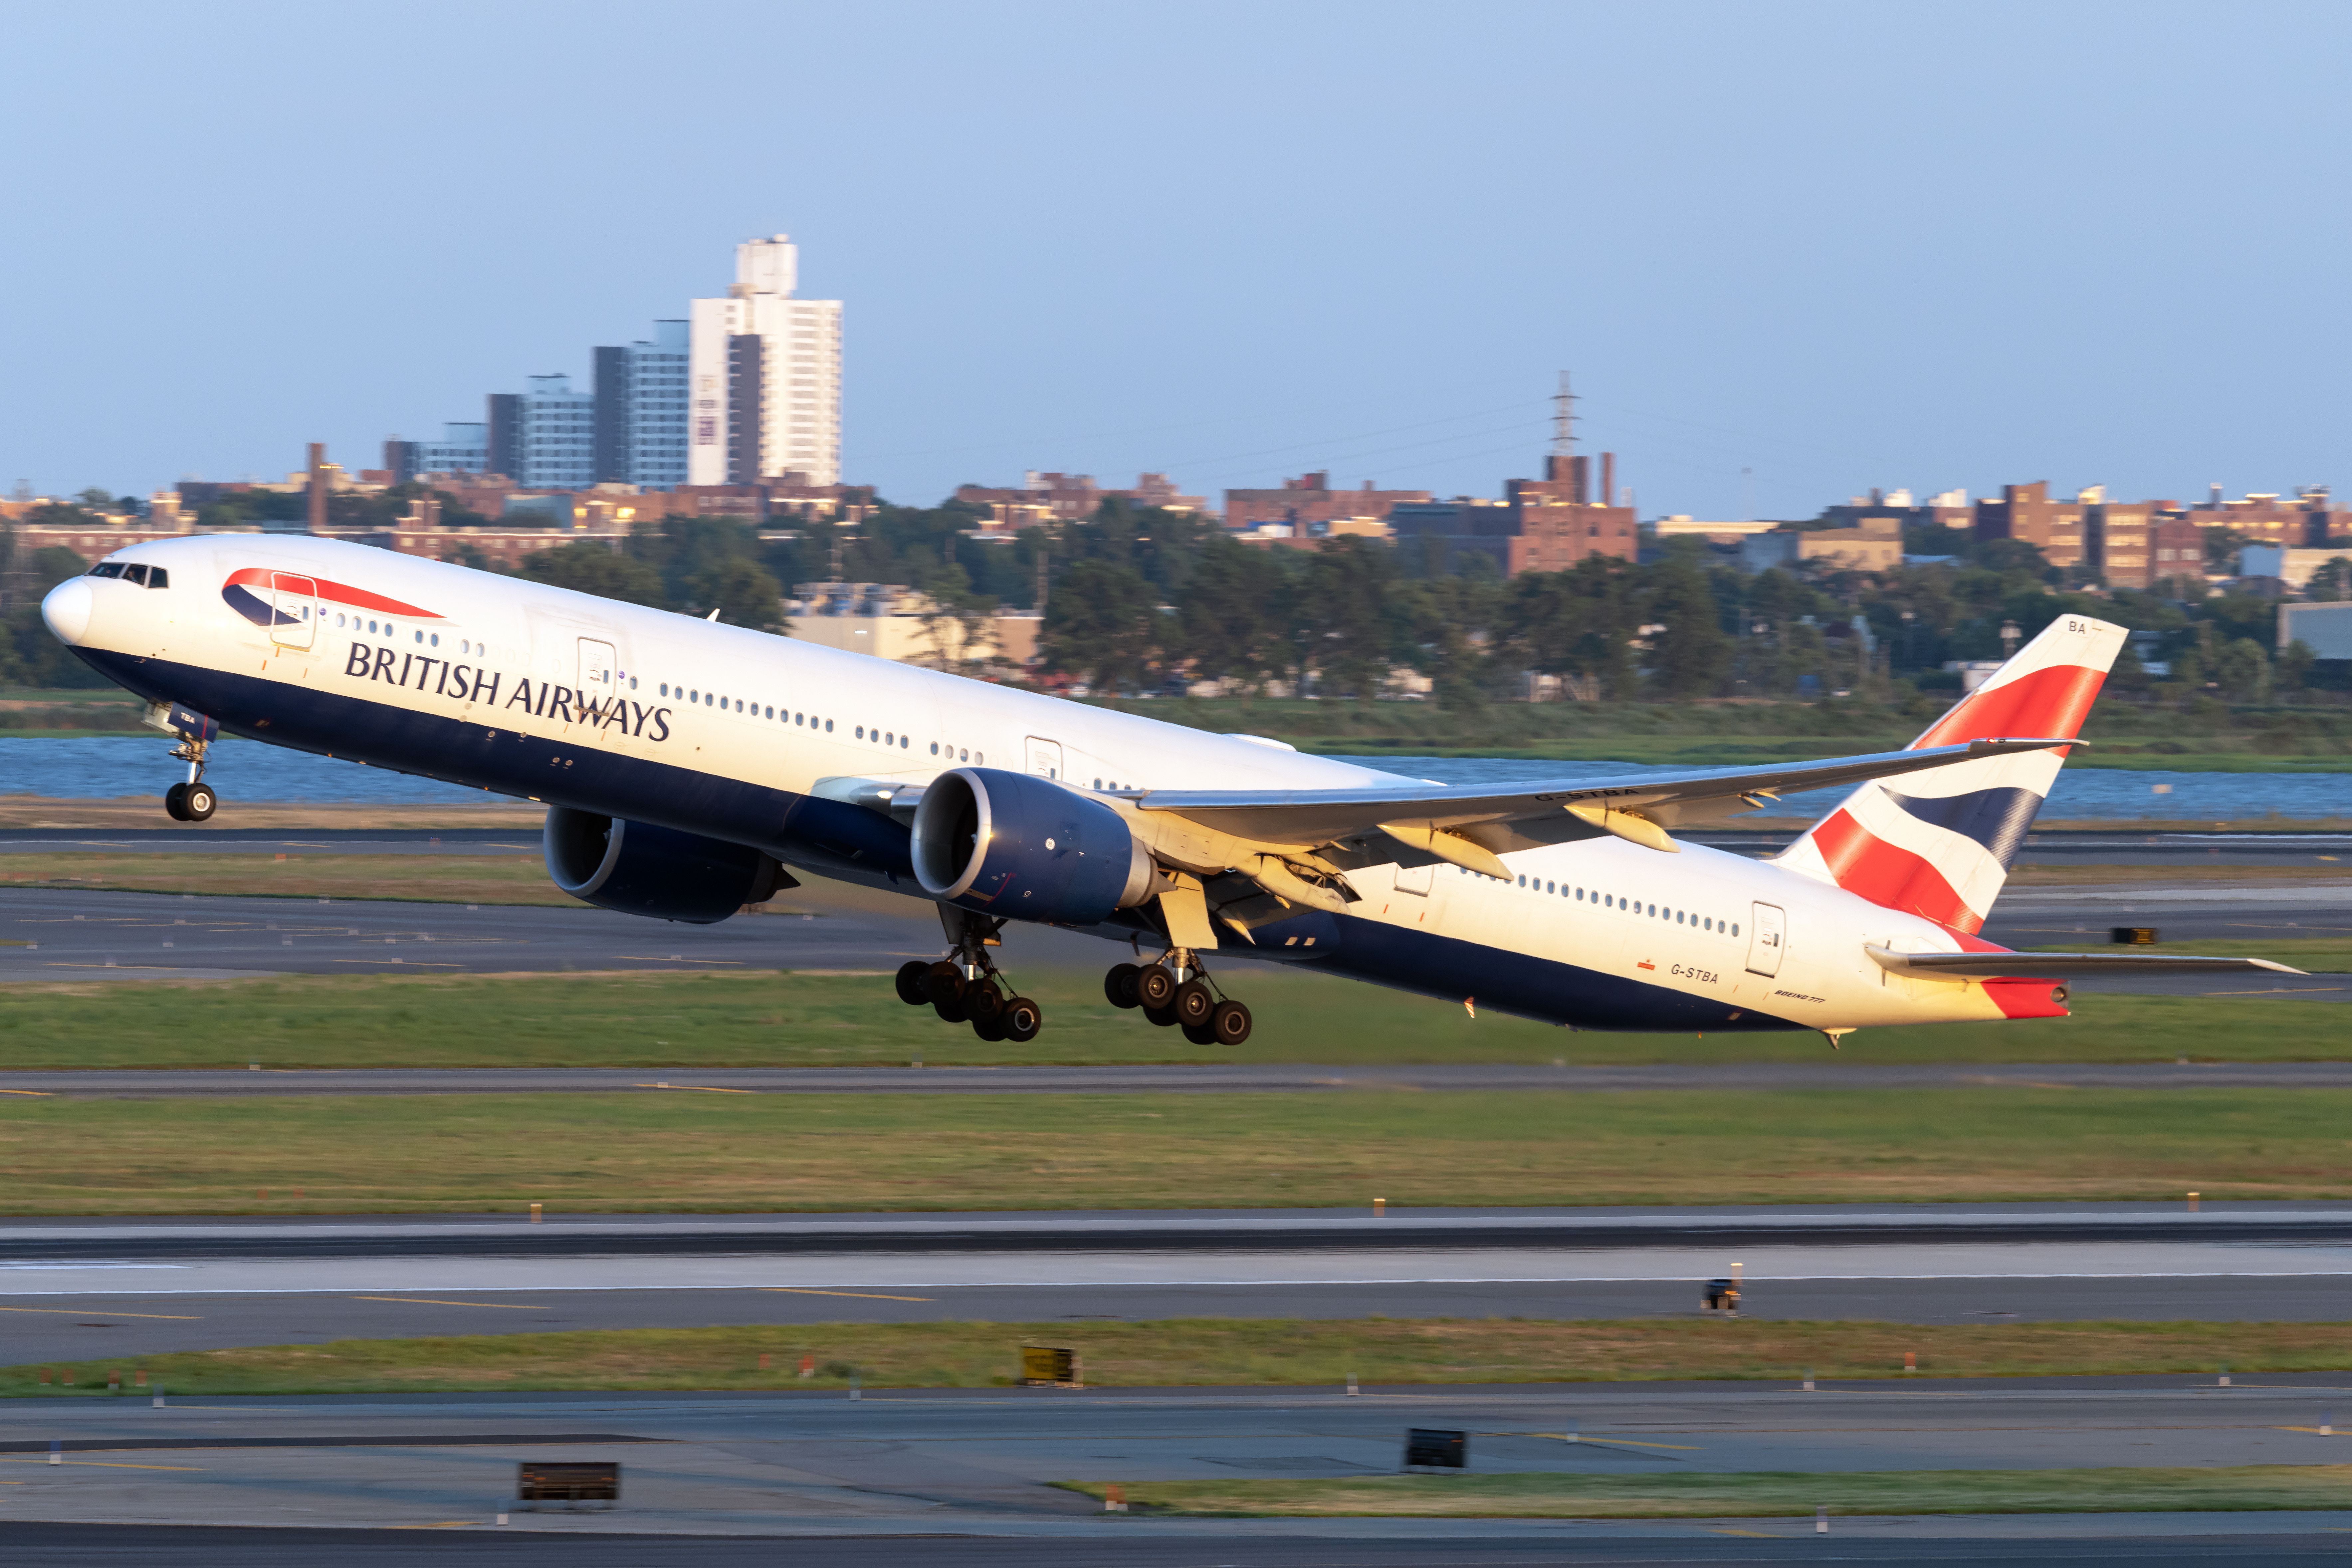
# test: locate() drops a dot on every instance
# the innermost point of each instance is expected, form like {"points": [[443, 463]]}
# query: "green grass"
{"points": [[680, 1151], [1757, 1494], [763, 1018], [1214, 1351]]}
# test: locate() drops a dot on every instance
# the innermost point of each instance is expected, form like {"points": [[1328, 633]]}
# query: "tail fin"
{"points": [[1939, 843]]}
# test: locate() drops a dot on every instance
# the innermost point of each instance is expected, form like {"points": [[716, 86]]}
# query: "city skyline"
{"points": [[1788, 255]]}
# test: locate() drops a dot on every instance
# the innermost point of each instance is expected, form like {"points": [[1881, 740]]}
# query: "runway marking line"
{"points": [[84, 1311], [442, 1524], [1598, 1442], [649, 958], [686, 1087], [97, 1464], [433, 1301], [34, 1093], [861, 1295], [1722, 1529], [404, 962]]}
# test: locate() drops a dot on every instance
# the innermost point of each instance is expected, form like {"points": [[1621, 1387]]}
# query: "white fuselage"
{"points": [[718, 713]]}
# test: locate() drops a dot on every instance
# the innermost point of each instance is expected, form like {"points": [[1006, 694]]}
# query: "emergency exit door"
{"points": [[294, 602], [1768, 935]]}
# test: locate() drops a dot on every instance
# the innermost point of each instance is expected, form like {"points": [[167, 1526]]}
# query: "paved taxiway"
{"points": [[73, 1289], [982, 1463], [71, 936], [1831, 1073]]}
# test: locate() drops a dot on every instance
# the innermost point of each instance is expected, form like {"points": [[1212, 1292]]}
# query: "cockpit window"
{"points": [[157, 578], [107, 569]]}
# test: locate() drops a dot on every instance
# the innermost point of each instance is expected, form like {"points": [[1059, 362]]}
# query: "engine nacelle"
{"points": [[1008, 844], [636, 868]]}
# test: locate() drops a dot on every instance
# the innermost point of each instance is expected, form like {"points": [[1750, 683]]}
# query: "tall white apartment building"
{"points": [[544, 439], [641, 397], [766, 374]]}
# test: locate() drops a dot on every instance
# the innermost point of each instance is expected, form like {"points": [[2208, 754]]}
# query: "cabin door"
{"points": [[296, 601], [597, 686], [1767, 936], [1044, 757]]}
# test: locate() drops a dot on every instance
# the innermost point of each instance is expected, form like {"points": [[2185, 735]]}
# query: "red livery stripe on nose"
{"points": [[334, 592]]}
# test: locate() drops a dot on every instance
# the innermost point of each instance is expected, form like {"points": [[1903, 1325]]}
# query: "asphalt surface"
{"points": [[963, 1468], [1833, 1073], [71, 936], [74, 1289]]}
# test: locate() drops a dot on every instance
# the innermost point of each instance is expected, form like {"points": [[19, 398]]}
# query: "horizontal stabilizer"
{"points": [[2061, 965]]}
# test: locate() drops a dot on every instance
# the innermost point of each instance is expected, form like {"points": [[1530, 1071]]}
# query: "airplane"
{"points": [[689, 768]]}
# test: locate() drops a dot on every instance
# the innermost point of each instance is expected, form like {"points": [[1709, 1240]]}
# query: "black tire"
{"points": [[945, 986], [1154, 986], [1198, 1034], [1230, 1023], [1194, 1005], [1160, 1017], [1022, 1018], [991, 1030], [175, 803], [1119, 985], [912, 976], [984, 1003], [200, 802]]}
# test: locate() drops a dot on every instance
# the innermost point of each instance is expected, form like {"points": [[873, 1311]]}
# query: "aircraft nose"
{"points": [[67, 610]]}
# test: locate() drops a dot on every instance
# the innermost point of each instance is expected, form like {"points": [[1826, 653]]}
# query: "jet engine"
{"points": [[637, 868], [1011, 845]]}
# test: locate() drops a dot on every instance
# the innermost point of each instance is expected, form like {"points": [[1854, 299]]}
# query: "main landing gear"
{"points": [[1177, 992], [966, 988], [194, 800]]}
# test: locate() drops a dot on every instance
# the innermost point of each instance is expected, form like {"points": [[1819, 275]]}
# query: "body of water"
{"points": [[106, 766]]}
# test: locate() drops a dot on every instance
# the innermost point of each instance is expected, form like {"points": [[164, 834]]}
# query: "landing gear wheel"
{"points": [[984, 1003], [1160, 1017], [945, 988], [1021, 1019], [1230, 1023], [175, 803], [1194, 1005], [200, 802], [992, 1030], [1155, 987], [1199, 1034], [1119, 985], [913, 975]]}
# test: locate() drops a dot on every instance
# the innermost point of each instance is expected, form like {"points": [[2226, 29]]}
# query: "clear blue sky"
{"points": [[1842, 245]]}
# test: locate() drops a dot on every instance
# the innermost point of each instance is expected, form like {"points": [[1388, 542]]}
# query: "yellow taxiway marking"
{"points": [[94, 1464], [695, 1087], [861, 1295], [434, 1301], [33, 1093], [86, 1311]]}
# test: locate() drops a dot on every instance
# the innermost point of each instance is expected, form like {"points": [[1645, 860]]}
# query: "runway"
{"points": [[1833, 1073], [878, 1475], [70, 1289], [61, 934]]}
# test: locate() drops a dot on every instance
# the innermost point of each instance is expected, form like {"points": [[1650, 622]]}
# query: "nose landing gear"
{"points": [[194, 800], [1176, 992], [965, 988]]}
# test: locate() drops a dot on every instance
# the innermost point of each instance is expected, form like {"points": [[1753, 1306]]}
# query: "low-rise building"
{"points": [[1311, 505]]}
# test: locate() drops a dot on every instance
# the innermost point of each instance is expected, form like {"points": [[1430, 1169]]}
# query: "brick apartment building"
{"points": [[1541, 525], [1311, 507], [1071, 497]]}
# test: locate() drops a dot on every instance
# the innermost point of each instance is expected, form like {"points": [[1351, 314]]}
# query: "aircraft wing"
{"points": [[1469, 825], [2062, 965]]}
